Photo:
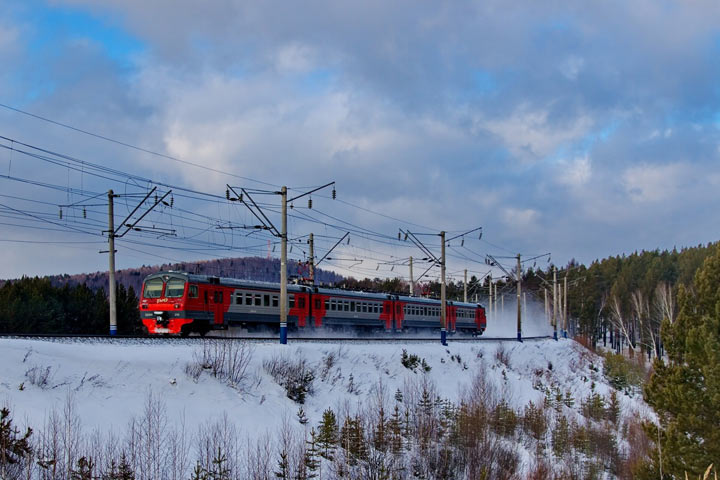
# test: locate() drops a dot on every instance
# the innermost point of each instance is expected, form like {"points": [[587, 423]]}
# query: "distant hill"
{"points": [[250, 268]]}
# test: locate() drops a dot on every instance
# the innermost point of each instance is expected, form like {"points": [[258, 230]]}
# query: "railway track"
{"points": [[264, 339]]}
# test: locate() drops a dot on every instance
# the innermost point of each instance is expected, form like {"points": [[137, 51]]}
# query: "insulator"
{"points": [[406, 236], [291, 205], [480, 236], [348, 242], [227, 193], [156, 198], [310, 203], [241, 197], [334, 194], [84, 213], [462, 241], [398, 235], [61, 214]]}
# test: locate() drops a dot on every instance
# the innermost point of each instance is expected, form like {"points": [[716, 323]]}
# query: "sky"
{"points": [[578, 129]]}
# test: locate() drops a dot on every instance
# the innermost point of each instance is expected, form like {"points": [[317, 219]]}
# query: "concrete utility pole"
{"points": [[111, 271], [283, 268], [554, 309], [443, 298], [519, 293], [565, 322], [547, 317], [490, 296], [412, 282], [311, 263], [465, 289]]}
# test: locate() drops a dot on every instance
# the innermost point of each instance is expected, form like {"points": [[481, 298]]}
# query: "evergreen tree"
{"points": [[219, 470], [352, 439], [84, 469], [302, 418], [199, 473], [686, 390], [310, 459], [13, 446], [328, 434], [395, 432], [283, 471]]}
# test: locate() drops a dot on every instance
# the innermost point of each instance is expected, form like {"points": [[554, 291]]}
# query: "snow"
{"points": [[109, 381]]}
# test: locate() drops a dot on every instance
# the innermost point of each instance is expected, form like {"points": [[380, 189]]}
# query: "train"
{"points": [[179, 303]]}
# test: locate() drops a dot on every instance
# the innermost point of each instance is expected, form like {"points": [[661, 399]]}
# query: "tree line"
{"points": [[34, 305]]}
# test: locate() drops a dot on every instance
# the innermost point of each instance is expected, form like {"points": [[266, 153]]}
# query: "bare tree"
{"points": [[620, 321], [665, 302]]}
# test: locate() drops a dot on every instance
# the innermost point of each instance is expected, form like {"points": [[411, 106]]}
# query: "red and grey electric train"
{"points": [[180, 303]]}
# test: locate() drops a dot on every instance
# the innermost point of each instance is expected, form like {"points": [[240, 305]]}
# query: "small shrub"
{"points": [[295, 376], [535, 421], [226, 360], [39, 376], [502, 356], [623, 374], [594, 407], [503, 420], [409, 361]]}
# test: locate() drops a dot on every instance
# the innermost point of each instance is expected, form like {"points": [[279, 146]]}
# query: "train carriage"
{"points": [[181, 303]]}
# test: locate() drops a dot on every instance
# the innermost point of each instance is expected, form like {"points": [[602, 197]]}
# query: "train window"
{"points": [[318, 303], [301, 302], [239, 299], [218, 297], [248, 299], [292, 301], [153, 288], [364, 307], [193, 291], [175, 287], [352, 306], [346, 306], [266, 300], [275, 301], [327, 304], [257, 298]]}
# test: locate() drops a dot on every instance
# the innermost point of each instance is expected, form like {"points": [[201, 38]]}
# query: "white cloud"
{"points": [[530, 135], [521, 219], [653, 183], [575, 173], [572, 66]]}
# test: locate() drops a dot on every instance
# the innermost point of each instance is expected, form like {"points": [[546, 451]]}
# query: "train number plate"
{"points": [[162, 330]]}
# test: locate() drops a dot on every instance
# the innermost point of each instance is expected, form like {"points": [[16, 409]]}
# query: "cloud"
{"points": [[447, 114], [653, 183]]}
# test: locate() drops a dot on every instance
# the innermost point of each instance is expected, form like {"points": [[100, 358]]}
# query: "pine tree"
{"points": [[283, 468], [395, 432], [84, 469], [352, 439], [219, 470], [380, 437], [311, 463], [328, 434], [199, 473], [686, 390], [302, 418], [13, 446]]}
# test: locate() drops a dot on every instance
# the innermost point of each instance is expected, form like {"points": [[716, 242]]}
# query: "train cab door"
{"points": [[217, 307]]}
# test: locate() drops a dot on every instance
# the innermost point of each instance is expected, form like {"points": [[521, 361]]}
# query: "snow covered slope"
{"points": [[109, 381]]}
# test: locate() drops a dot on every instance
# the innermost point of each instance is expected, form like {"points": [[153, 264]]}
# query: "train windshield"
{"points": [[175, 287], [153, 288]]}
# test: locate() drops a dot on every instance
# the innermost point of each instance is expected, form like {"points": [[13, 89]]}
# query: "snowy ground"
{"points": [[110, 381]]}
